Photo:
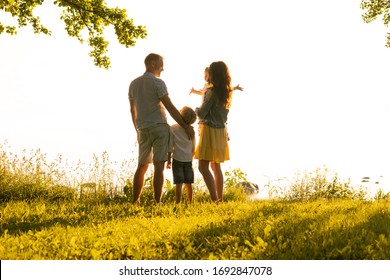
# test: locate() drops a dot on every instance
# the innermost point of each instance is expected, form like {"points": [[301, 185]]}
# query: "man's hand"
{"points": [[169, 163]]}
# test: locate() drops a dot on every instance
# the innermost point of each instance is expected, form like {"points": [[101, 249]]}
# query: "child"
{"points": [[182, 149], [208, 85]]}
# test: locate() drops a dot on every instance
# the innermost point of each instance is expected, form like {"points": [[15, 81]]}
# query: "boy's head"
{"points": [[188, 115]]}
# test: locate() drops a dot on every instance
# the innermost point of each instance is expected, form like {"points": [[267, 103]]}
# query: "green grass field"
{"points": [[45, 216], [340, 229]]}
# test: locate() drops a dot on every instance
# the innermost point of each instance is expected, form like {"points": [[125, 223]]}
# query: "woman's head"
{"points": [[219, 77]]}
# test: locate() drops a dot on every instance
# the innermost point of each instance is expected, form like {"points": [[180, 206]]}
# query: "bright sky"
{"points": [[315, 79]]}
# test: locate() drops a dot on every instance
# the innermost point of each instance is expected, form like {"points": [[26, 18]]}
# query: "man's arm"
{"points": [[133, 112], [176, 116]]}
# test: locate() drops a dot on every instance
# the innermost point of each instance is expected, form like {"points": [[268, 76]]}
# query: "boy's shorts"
{"points": [[182, 172], [153, 144]]}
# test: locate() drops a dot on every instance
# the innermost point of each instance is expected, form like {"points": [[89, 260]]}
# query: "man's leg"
{"points": [[158, 179], [138, 181], [160, 135]]}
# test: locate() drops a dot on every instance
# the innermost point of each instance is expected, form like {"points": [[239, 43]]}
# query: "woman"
{"points": [[213, 148]]}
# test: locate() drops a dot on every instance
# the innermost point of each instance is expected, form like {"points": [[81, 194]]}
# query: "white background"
{"points": [[315, 80]]}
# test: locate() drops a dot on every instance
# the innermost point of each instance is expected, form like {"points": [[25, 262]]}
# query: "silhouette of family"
{"points": [[159, 143]]}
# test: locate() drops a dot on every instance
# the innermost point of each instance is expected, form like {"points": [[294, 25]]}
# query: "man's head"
{"points": [[154, 64], [188, 115]]}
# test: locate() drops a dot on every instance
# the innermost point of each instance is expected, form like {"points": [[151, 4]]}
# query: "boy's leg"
{"points": [[178, 192], [188, 192]]}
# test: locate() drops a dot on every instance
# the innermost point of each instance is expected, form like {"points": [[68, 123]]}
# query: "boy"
{"points": [[181, 149]]}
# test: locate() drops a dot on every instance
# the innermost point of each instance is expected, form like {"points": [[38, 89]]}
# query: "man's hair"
{"points": [[152, 57], [188, 115]]}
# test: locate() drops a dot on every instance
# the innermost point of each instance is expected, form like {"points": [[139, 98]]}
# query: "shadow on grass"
{"points": [[291, 236], [15, 227], [76, 214]]}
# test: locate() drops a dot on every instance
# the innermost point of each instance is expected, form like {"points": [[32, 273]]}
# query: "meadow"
{"points": [[50, 210]]}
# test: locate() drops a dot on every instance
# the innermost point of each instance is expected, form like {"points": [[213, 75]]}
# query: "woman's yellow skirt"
{"points": [[213, 144]]}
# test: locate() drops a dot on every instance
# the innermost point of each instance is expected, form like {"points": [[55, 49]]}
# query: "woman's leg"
{"points": [[208, 178], [218, 176]]}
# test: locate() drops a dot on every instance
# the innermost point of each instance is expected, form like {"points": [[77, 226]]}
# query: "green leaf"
{"points": [[81, 17]]}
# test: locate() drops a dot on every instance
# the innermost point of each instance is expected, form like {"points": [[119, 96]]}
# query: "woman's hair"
{"points": [[220, 79]]}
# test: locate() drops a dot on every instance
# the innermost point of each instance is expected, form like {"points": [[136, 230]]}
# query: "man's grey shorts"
{"points": [[153, 144]]}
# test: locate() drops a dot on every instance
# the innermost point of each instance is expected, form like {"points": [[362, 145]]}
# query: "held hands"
{"points": [[169, 163]]}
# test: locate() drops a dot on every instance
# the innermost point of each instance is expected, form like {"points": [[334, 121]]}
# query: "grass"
{"points": [[52, 211], [233, 230]]}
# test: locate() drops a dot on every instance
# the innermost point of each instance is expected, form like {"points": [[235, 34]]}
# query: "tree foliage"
{"points": [[84, 19], [374, 9]]}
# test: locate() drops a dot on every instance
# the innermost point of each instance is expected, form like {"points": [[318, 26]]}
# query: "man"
{"points": [[149, 98]]}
